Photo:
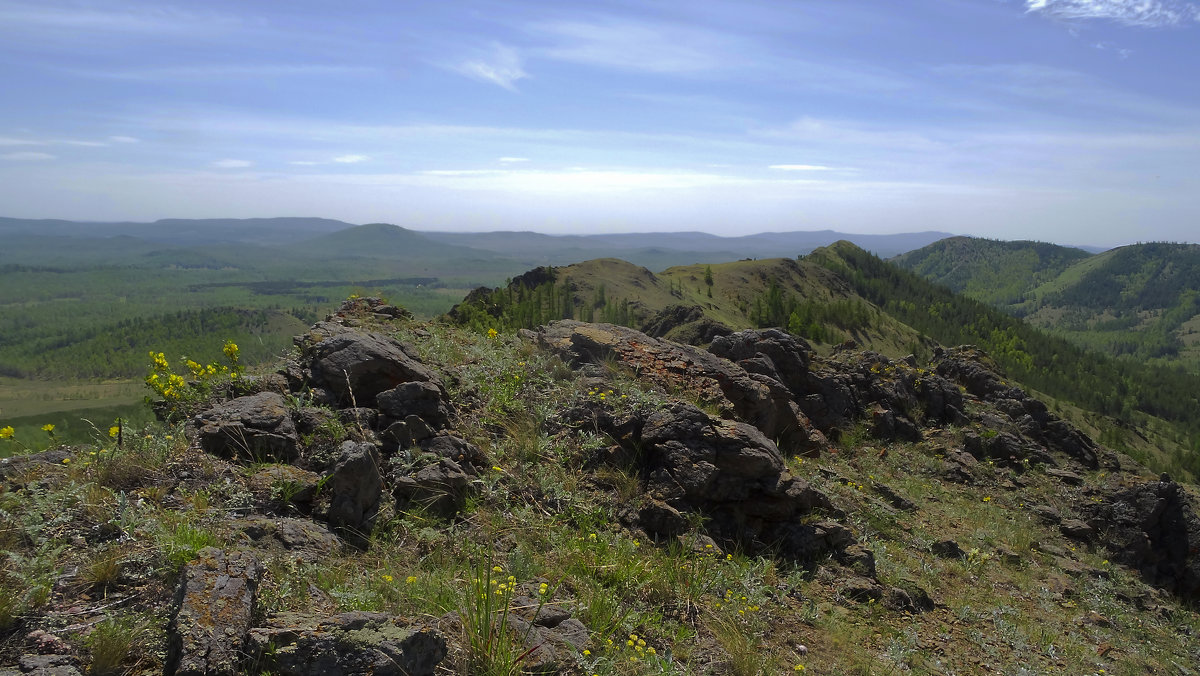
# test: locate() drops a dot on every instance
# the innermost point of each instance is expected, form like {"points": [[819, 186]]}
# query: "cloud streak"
{"points": [[27, 156], [502, 67], [1144, 13]]}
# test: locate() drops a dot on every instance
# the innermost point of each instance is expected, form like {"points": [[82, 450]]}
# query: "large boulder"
{"points": [[354, 367], [213, 614], [344, 645], [256, 427]]}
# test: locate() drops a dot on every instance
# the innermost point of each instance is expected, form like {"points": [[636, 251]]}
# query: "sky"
{"points": [[1073, 121]]}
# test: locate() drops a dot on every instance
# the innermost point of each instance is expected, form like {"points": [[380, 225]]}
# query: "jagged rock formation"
{"points": [[1154, 529]]}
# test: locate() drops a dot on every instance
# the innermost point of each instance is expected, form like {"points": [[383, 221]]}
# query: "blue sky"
{"points": [[1065, 120]]}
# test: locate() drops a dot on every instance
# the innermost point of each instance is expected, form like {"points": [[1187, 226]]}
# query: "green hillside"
{"points": [[680, 303], [1153, 397], [996, 272], [1140, 301]]}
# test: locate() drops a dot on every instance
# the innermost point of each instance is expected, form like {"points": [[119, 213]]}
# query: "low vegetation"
{"points": [[95, 537]]}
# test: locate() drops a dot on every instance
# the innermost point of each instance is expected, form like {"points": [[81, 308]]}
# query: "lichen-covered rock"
{"points": [[751, 397], [349, 644], [355, 488], [214, 609], [298, 538], [255, 427], [356, 366]]}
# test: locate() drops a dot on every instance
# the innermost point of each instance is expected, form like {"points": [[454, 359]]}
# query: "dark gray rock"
{"points": [[552, 650], [344, 645], [1046, 514], [1154, 529], [661, 519], [48, 665], [468, 456], [355, 367], [355, 488], [1077, 530], [1065, 475], [215, 605], [947, 549], [256, 427], [440, 489], [16, 464], [861, 589], [425, 400], [361, 418]]}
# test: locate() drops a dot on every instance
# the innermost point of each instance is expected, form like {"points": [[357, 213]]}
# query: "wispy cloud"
{"points": [[224, 72], [800, 167], [638, 45], [232, 164], [1146, 13], [124, 18], [501, 67], [511, 160], [27, 156], [9, 141], [351, 159], [124, 139]]}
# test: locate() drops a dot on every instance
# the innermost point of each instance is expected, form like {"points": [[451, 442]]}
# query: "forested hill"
{"points": [[993, 271], [1126, 389], [1141, 301]]}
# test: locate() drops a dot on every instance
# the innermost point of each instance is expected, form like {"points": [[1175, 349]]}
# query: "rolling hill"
{"points": [[1141, 301]]}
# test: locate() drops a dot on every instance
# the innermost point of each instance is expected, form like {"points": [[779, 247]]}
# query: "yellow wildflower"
{"points": [[410, 579], [114, 431], [387, 578], [7, 432], [48, 428], [492, 333]]}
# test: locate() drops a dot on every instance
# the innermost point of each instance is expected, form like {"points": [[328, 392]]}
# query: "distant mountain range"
{"points": [[330, 237]]}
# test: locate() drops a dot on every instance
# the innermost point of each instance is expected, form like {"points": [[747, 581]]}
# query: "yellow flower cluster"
{"points": [[7, 432], [172, 387]]}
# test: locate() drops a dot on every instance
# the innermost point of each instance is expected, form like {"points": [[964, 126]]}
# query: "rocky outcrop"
{"points": [[345, 645], [834, 393], [724, 472], [1153, 528], [978, 374], [351, 367], [255, 427], [684, 324], [215, 607], [750, 397]]}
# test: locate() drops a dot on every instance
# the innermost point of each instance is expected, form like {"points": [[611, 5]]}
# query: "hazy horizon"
{"points": [[1073, 121]]}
